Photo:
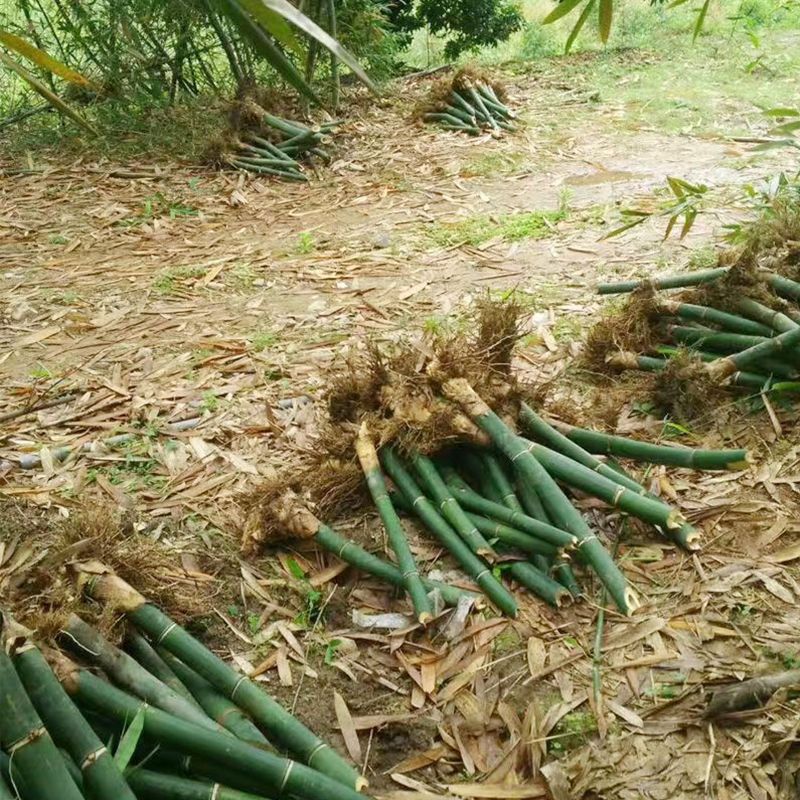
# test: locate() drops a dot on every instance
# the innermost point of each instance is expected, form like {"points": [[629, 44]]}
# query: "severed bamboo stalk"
{"points": [[686, 535], [775, 320], [128, 673], [621, 446], [474, 566], [100, 776], [216, 705], [524, 573], [666, 281], [368, 458], [280, 727], [722, 319], [785, 344], [278, 775], [558, 507], [152, 785], [23, 736]]}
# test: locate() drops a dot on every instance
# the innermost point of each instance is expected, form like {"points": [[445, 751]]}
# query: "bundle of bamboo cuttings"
{"points": [[468, 102], [267, 144], [448, 438], [181, 722], [736, 326]]}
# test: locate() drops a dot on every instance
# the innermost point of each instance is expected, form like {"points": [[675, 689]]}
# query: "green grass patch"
{"points": [[508, 227], [572, 731], [170, 281], [491, 164]]}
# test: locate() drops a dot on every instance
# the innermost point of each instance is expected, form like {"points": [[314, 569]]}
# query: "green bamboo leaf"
{"points": [[787, 127], [51, 97], [266, 47], [691, 216], [701, 18], [42, 59], [675, 186], [561, 10], [285, 9], [781, 112], [129, 741], [275, 25], [627, 226], [579, 25], [677, 3], [606, 14]]}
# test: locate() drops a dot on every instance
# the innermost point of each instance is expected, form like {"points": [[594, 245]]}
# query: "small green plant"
{"points": [[312, 613], [490, 164], [331, 650], [254, 623], [210, 401], [572, 731], [57, 238], [41, 373], [703, 258], [305, 243], [158, 206], [242, 275], [263, 340], [170, 281]]}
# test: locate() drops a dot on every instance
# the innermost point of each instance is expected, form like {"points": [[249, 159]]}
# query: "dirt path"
{"points": [[197, 314]]}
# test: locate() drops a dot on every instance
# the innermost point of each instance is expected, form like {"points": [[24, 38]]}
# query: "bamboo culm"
{"points": [[475, 567], [280, 727], [100, 775], [279, 775], [36, 760], [368, 458], [524, 573], [128, 673], [686, 535], [557, 505]]}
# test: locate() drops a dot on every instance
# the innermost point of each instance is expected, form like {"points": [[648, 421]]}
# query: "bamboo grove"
{"points": [[161, 717]]}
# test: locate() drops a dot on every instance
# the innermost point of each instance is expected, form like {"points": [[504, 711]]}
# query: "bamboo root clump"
{"points": [[492, 482], [738, 328], [60, 721], [469, 103]]}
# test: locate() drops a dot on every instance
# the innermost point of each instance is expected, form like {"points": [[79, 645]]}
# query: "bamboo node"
{"points": [[32, 737], [92, 758]]}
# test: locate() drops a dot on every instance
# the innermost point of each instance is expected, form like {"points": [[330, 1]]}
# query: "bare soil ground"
{"points": [[198, 314]]}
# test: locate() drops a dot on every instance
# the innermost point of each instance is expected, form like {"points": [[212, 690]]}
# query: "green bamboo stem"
{"points": [[277, 163], [279, 775], [492, 103], [368, 458], [297, 518], [5, 791], [279, 726], [36, 760], [498, 477], [461, 128], [477, 102], [686, 536], [558, 507], [471, 500], [441, 116], [462, 103], [623, 360], [524, 573], [770, 367], [774, 320], [721, 342], [511, 536], [786, 288], [669, 455], [459, 113], [100, 775], [272, 149], [216, 705], [307, 137], [150, 785], [783, 345], [128, 673], [615, 494], [723, 319], [475, 567], [278, 173], [146, 655], [665, 282]]}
